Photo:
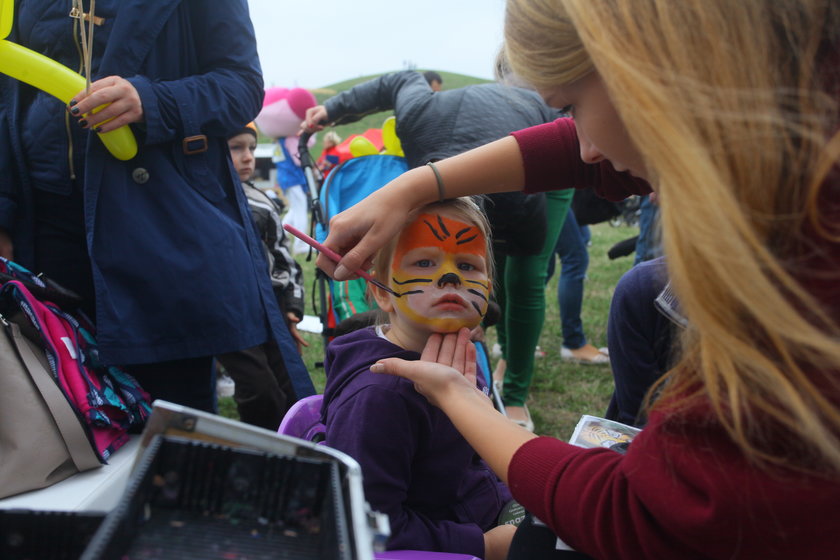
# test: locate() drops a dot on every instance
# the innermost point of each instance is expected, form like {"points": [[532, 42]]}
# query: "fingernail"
{"points": [[341, 271], [378, 367], [74, 111], [72, 102], [83, 123]]}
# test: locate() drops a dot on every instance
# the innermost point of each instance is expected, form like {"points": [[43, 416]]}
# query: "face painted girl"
{"points": [[440, 267]]}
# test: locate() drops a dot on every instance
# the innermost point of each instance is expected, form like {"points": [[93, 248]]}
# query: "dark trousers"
{"points": [[640, 339], [535, 541], [263, 392], [188, 382]]}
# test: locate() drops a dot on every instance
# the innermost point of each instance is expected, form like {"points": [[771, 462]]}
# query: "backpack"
{"points": [[106, 399]]}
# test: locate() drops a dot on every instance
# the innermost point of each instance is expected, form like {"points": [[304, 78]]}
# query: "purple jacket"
{"points": [[416, 467]]}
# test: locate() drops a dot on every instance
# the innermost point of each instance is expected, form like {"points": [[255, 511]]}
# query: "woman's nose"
{"points": [[588, 152]]}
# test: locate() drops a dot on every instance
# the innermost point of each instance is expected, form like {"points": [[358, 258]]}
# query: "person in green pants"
{"points": [[520, 292]]}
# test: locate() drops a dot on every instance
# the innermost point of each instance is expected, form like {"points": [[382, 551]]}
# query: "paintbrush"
{"points": [[335, 257]]}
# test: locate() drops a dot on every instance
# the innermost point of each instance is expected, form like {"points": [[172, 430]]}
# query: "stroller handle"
{"points": [[303, 150], [308, 167]]}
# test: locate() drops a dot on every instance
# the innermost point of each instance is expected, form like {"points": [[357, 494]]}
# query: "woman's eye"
{"points": [[568, 110]]}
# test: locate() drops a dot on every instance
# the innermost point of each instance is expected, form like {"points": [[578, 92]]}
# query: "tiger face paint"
{"points": [[440, 268]]}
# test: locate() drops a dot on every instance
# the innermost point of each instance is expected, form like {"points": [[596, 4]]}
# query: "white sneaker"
{"points": [[225, 386]]}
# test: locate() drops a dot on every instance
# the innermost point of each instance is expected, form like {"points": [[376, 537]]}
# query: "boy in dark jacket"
{"points": [[263, 391]]}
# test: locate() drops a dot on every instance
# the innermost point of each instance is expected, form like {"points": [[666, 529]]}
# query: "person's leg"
{"points": [[647, 244], [187, 382], [263, 391], [535, 541], [574, 262], [298, 215], [640, 339], [524, 312], [60, 246]]}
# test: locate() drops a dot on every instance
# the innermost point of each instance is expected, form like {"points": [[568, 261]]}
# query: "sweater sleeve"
{"points": [[384, 93], [683, 490], [385, 452], [551, 155]]}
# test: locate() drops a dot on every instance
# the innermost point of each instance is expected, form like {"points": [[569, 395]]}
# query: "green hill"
{"points": [[450, 81]]}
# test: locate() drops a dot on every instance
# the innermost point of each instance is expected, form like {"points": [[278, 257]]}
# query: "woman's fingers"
{"points": [[432, 348], [118, 98]]}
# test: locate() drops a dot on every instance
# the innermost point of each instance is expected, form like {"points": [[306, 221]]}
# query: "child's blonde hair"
{"points": [[733, 106]]}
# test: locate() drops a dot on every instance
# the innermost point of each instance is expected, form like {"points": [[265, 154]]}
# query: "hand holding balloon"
{"points": [[56, 79], [120, 103]]}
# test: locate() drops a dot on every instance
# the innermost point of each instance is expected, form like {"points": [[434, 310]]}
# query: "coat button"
{"points": [[140, 175]]}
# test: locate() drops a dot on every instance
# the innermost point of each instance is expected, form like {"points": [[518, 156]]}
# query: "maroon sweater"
{"points": [[681, 491]]}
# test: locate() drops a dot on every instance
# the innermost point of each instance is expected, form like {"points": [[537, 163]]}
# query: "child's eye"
{"points": [[466, 267], [423, 263]]}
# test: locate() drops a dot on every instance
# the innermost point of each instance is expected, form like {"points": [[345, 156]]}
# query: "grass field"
{"points": [[561, 392]]}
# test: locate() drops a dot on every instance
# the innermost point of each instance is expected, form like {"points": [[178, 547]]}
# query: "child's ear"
{"points": [[383, 298]]}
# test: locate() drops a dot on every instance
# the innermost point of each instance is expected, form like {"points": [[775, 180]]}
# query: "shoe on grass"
{"points": [[587, 354]]}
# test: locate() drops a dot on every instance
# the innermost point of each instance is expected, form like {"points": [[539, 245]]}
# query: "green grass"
{"points": [[561, 392]]}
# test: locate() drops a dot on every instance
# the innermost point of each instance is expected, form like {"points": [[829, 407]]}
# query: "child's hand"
{"points": [[291, 321], [497, 542]]}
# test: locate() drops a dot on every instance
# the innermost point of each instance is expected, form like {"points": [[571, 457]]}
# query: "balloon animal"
{"points": [[56, 79]]}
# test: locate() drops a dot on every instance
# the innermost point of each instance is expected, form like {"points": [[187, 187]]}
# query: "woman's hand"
{"points": [[122, 100], [361, 230], [445, 372], [314, 119]]}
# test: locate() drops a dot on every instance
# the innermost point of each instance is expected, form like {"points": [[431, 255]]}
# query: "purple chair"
{"points": [[303, 421]]}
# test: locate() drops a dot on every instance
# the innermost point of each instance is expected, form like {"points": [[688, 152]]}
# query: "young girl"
{"points": [[417, 468], [730, 110]]}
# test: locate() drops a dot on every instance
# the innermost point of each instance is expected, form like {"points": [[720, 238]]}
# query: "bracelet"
{"points": [[441, 190]]}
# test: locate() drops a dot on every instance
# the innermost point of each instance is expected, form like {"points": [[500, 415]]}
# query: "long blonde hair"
{"points": [[730, 103]]}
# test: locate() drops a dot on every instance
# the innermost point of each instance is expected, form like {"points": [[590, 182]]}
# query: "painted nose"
{"points": [[449, 278]]}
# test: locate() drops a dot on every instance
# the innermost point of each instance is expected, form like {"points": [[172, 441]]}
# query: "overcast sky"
{"points": [[312, 44]]}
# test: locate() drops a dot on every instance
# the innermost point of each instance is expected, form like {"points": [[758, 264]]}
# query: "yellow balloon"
{"points": [[361, 146], [7, 15], [390, 140], [56, 79]]}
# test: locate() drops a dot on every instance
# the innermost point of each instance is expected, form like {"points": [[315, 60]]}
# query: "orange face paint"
{"points": [[439, 266]]}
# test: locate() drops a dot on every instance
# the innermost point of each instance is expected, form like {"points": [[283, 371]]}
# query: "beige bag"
{"points": [[42, 441]]}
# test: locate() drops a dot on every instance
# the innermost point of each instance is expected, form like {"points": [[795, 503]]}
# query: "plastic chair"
{"points": [[303, 421]]}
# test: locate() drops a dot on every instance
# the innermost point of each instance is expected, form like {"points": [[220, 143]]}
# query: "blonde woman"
{"points": [[729, 109]]}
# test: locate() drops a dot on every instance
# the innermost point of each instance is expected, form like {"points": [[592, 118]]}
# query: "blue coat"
{"points": [[178, 269]]}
